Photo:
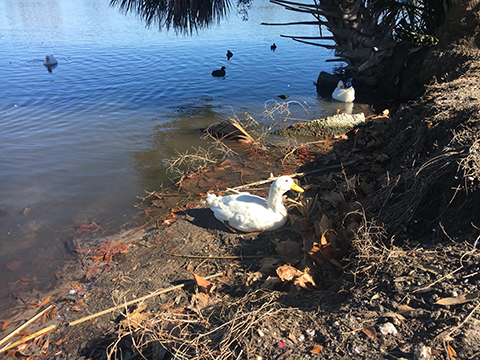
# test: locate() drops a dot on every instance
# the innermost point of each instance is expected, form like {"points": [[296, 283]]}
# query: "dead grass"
{"points": [[220, 329], [184, 163]]}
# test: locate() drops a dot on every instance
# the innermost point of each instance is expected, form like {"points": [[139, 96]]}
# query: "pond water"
{"points": [[82, 142]]}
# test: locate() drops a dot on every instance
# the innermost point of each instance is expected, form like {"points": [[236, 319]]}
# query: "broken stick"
{"points": [[131, 302], [20, 328]]}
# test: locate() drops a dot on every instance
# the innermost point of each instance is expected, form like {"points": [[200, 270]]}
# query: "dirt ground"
{"points": [[379, 259]]}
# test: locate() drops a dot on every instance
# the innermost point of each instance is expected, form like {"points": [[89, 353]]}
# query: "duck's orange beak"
{"points": [[297, 188]]}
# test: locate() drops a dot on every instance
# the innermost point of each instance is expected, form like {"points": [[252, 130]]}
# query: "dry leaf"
{"points": [[323, 225], [204, 285], [329, 237], [457, 300], [200, 301], [82, 251], [59, 342], [316, 349], [288, 272], [451, 352], [95, 271], [292, 337], [268, 264], [305, 281], [77, 308], [14, 265], [136, 317], [382, 158], [288, 250], [319, 253], [26, 210], [271, 283], [253, 277], [90, 227], [333, 198], [370, 332]]}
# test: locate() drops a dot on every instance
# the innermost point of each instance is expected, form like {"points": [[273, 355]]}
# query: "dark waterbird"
{"points": [[273, 47], [219, 73], [229, 54], [283, 96]]}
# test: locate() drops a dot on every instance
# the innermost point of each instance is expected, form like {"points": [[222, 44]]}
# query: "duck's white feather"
{"points": [[343, 94], [246, 212], [50, 60]]}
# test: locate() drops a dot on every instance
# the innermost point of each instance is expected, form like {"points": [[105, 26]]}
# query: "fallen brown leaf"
{"points": [[204, 285], [136, 317], [458, 300], [288, 250], [452, 354], [14, 265], [288, 272], [370, 332], [329, 237], [305, 281], [316, 349], [200, 301], [90, 227], [322, 225], [268, 264]]}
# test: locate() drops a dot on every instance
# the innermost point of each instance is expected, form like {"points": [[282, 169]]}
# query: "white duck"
{"points": [[246, 212], [344, 95], [50, 60]]}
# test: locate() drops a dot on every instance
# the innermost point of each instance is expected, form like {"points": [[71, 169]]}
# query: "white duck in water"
{"points": [[343, 94], [246, 212], [50, 60]]}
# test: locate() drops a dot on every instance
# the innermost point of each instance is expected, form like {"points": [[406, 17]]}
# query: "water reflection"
{"points": [[183, 16], [83, 142]]}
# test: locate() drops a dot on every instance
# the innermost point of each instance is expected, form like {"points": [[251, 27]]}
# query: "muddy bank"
{"points": [[379, 259]]}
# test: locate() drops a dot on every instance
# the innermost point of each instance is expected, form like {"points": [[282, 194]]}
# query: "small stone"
{"points": [[423, 353], [387, 329]]}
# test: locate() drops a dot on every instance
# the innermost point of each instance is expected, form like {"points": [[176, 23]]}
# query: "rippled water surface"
{"points": [[80, 143]]}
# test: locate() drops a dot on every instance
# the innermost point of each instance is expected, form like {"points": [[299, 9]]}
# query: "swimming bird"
{"points": [[246, 212], [219, 73], [283, 96], [343, 94], [273, 47], [50, 60], [229, 54]]}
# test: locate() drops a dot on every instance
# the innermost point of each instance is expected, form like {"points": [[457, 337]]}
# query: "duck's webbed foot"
{"points": [[225, 222]]}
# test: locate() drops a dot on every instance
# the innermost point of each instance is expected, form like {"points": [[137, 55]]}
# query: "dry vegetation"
{"points": [[380, 260]]}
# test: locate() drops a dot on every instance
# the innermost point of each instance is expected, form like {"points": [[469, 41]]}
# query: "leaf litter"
{"points": [[351, 263]]}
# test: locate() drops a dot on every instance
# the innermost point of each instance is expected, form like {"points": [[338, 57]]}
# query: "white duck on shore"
{"points": [[246, 212], [343, 94]]}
